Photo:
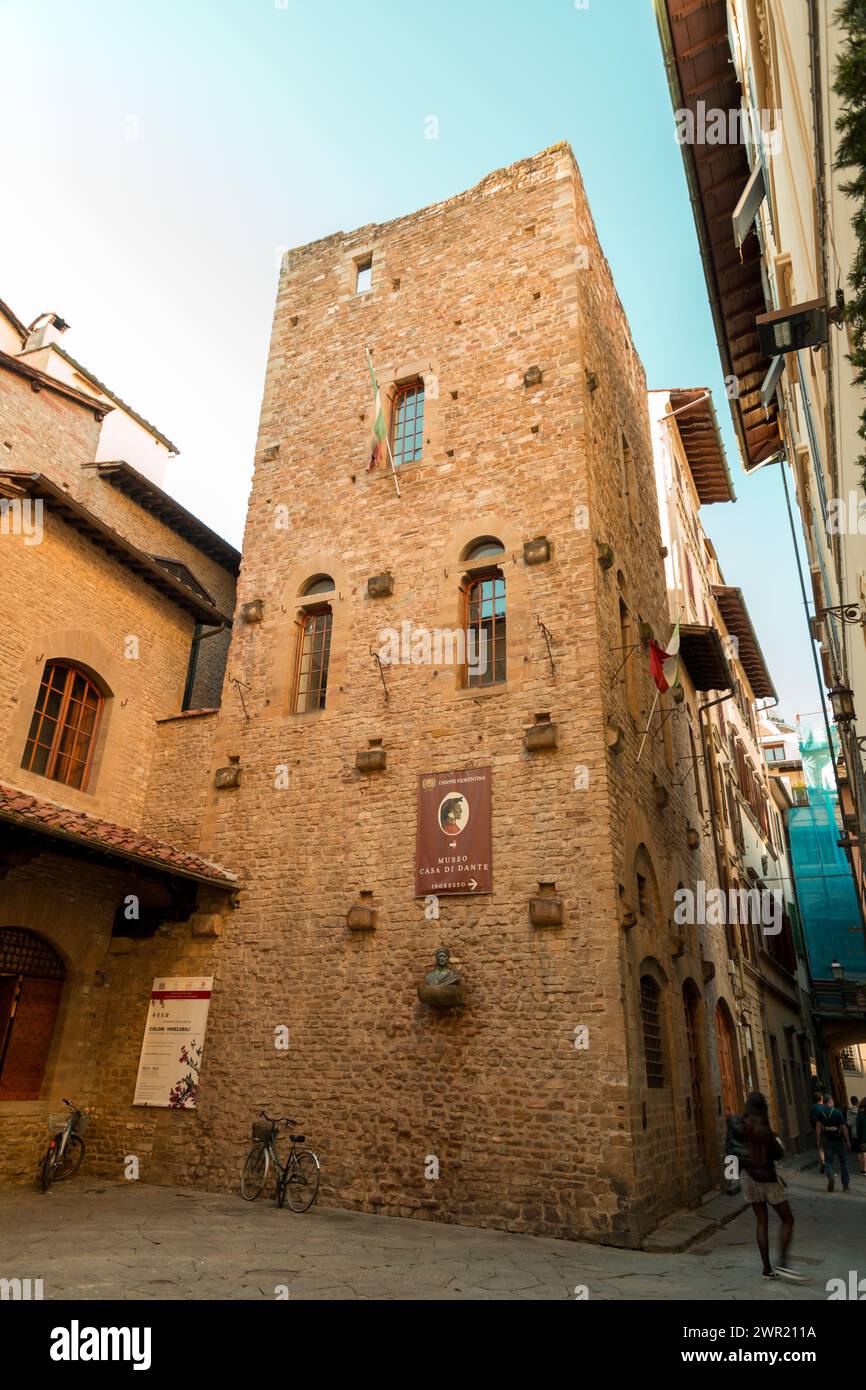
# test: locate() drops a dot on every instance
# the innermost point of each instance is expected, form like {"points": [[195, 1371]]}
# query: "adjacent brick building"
{"points": [[108, 585]]}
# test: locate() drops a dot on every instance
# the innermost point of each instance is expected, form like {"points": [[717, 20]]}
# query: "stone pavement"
{"points": [[88, 1240]]}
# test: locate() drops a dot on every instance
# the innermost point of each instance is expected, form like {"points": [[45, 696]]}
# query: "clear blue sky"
{"points": [[157, 156]]}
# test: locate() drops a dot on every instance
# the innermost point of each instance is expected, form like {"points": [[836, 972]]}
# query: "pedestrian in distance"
{"points": [[861, 1135], [817, 1114], [851, 1121], [835, 1141], [757, 1149]]}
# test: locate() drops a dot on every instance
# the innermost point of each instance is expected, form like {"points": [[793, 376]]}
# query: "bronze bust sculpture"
{"points": [[441, 987]]}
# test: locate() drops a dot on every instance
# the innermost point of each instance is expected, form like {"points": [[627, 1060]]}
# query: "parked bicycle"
{"points": [[297, 1180], [65, 1147]]}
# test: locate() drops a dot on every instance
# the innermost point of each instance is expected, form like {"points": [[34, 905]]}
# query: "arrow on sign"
{"points": [[473, 883]]}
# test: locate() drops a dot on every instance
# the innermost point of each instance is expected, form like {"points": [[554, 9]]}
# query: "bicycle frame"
{"points": [[69, 1127]]}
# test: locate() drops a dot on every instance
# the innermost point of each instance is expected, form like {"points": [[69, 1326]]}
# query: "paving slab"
{"points": [[132, 1241]]}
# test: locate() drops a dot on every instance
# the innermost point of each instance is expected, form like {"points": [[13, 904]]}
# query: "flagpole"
{"points": [[649, 721], [393, 469], [387, 435]]}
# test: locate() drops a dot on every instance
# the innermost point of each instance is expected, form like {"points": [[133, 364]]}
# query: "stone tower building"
{"points": [[562, 1096]]}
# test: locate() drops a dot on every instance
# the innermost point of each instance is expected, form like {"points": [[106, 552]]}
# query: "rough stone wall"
{"points": [[43, 431], [668, 1167], [468, 295], [182, 757], [82, 605], [100, 1026]]}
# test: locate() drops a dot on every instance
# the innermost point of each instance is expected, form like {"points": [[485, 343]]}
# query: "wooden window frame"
{"points": [[470, 583], [314, 610], [54, 749], [399, 392]]}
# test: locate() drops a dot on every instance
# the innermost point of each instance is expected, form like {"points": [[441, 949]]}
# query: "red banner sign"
{"points": [[454, 849]]}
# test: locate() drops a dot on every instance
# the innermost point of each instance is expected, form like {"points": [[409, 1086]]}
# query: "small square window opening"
{"points": [[364, 280]]}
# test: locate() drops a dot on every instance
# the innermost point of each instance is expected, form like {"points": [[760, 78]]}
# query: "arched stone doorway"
{"points": [[31, 982]]}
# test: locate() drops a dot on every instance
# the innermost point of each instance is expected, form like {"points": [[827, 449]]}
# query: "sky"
{"points": [[157, 159]]}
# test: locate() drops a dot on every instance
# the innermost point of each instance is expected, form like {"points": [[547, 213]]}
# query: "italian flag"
{"points": [[380, 429], [665, 665]]}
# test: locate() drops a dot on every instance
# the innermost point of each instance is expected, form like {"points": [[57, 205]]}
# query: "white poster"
{"points": [[171, 1053]]}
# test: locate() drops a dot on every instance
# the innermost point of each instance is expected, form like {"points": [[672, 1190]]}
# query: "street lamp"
{"points": [[837, 970], [842, 700]]}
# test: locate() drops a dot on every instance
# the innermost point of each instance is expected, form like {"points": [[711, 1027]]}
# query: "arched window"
{"points": [[407, 423], [31, 981], [485, 617], [651, 1022], [62, 734], [646, 888], [310, 686]]}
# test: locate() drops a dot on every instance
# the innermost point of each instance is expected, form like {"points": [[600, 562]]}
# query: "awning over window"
{"points": [[702, 77], [750, 200], [704, 657], [695, 417], [732, 607], [771, 380]]}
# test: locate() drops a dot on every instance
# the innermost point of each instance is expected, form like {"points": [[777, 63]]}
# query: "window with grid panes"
{"points": [[407, 423], [650, 1013], [485, 629], [62, 733], [314, 650]]}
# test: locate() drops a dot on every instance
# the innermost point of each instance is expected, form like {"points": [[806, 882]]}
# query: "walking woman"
{"points": [[756, 1148], [860, 1133]]}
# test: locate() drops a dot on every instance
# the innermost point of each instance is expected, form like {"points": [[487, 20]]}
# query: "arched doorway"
{"points": [[691, 1011], [727, 1053], [31, 981]]}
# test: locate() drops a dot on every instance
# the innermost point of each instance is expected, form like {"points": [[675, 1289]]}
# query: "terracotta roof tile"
{"points": [[48, 817]]}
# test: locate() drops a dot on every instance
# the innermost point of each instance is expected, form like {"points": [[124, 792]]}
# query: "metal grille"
{"points": [[25, 953], [314, 652], [408, 419], [485, 629], [652, 1032]]}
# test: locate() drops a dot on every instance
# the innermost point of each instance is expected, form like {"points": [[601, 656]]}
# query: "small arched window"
{"points": [[407, 423], [485, 618], [310, 687], [651, 1021], [31, 981], [62, 735]]}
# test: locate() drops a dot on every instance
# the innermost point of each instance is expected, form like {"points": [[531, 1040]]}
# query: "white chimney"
{"points": [[48, 328]]}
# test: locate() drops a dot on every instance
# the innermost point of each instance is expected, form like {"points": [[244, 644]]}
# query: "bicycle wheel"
{"points": [[302, 1181], [71, 1161], [255, 1172], [46, 1171]]}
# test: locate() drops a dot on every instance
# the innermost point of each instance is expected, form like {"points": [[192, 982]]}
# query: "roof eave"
{"points": [[35, 484]]}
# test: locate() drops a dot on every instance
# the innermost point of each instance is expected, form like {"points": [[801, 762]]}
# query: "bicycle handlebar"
{"points": [[283, 1120]]}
